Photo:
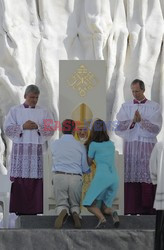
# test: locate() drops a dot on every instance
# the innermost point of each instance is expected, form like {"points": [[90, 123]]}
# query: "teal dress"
{"points": [[104, 185]]}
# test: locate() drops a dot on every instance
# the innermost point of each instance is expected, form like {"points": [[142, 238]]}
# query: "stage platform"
{"points": [[38, 233]]}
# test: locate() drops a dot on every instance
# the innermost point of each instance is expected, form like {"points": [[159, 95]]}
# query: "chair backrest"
{"points": [[5, 183]]}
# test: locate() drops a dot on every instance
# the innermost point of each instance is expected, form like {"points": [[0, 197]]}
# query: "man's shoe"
{"points": [[116, 221], [59, 220], [77, 221]]}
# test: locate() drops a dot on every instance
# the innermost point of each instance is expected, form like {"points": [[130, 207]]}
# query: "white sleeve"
{"points": [[124, 122], [11, 127]]}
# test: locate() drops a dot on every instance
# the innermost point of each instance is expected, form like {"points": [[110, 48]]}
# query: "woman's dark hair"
{"points": [[98, 133], [68, 126]]}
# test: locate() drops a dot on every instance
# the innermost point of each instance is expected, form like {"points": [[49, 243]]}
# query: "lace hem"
{"points": [[145, 124], [123, 125], [137, 155], [13, 131], [26, 161], [45, 132]]}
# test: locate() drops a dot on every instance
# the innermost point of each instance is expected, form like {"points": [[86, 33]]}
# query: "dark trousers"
{"points": [[159, 231]]}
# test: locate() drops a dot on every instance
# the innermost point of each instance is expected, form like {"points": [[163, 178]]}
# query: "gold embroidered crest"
{"points": [[82, 80]]}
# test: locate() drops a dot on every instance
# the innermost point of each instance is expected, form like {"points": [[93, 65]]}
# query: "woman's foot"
{"points": [[97, 212], [101, 224], [116, 221]]}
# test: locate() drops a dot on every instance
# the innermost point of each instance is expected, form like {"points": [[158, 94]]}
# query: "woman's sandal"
{"points": [[116, 221], [101, 224]]}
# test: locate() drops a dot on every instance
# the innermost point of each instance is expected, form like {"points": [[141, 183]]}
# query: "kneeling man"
{"points": [[69, 163]]}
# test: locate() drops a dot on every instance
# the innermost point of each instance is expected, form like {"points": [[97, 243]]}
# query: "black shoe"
{"points": [[60, 219], [116, 221], [77, 221]]}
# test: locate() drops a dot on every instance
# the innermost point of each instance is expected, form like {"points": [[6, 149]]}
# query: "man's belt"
{"points": [[60, 172]]}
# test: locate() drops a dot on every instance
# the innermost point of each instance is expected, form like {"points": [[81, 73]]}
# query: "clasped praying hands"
{"points": [[137, 117], [30, 125]]}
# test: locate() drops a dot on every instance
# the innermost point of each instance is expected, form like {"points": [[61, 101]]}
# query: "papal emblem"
{"points": [[82, 80]]}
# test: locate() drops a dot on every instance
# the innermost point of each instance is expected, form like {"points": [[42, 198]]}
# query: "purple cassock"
{"points": [[26, 161]]}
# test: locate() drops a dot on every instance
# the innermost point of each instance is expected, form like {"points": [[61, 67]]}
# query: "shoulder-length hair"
{"points": [[98, 133]]}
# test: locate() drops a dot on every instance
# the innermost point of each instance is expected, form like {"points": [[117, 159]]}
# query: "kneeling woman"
{"points": [[104, 185]]}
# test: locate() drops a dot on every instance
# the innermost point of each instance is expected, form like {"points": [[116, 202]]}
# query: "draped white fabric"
{"points": [[35, 35]]}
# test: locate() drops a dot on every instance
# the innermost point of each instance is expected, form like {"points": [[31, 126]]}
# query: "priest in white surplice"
{"points": [[157, 175], [139, 122], [25, 126]]}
